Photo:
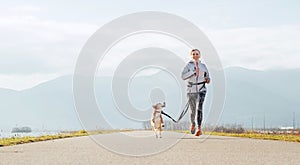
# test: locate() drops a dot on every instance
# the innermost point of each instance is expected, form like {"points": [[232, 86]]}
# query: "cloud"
{"points": [[130, 44], [35, 49], [258, 48], [20, 82], [24, 8], [35, 45]]}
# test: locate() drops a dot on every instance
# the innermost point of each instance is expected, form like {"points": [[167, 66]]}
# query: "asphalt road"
{"points": [[141, 147]]}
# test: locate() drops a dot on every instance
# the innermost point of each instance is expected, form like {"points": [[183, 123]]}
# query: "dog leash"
{"points": [[186, 107], [162, 112]]}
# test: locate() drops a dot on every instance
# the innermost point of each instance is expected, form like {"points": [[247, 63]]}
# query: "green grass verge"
{"points": [[29, 139]]}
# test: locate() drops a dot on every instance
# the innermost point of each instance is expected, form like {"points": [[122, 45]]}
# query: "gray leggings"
{"points": [[196, 102]]}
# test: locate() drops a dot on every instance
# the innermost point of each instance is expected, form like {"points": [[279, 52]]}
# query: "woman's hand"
{"points": [[207, 80], [197, 71]]}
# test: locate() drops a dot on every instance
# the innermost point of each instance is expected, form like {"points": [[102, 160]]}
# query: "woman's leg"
{"points": [[200, 108], [192, 98]]}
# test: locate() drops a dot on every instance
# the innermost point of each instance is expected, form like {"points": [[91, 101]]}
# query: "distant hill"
{"points": [[254, 94], [249, 95], [46, 106]]}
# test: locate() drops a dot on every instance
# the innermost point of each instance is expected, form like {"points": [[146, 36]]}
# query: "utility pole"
{"points": [[252, 123], [294, 121], [264, 123]]}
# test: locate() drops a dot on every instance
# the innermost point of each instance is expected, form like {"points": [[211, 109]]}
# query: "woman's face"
{"points": [[195, 55]]}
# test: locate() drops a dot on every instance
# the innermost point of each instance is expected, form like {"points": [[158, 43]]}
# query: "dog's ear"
{"points": [[154, 106]]}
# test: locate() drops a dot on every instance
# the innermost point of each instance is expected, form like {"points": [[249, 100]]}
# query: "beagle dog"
{"points": [[157, 120]]}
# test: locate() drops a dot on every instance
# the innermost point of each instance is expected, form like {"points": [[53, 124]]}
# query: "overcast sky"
{"points": [[42, 40]]}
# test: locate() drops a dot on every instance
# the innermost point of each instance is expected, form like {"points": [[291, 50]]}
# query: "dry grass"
{"points": [[281, 137], [28, 139]]}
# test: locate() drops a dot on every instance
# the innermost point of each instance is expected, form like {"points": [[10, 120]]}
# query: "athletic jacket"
{"points": [[189, 74]]}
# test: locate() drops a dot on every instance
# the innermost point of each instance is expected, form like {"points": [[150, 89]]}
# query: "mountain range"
{"points": [[253, 98]]}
